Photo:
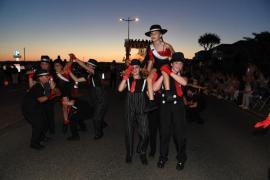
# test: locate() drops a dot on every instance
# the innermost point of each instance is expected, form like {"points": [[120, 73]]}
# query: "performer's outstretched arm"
{"points": [[123, 85], [80, 62], [181, 80], [76, 79]]}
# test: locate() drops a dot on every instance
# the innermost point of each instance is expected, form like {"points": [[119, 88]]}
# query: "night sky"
{"points": [[91, 29]]}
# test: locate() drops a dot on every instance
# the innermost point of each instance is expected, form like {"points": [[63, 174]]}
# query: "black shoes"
{"points": [[98, 136], [151, 106], [37, 146], [46, 139], [180, 166], [73, 138], [143, 159], [161, 164], [128, 159]]}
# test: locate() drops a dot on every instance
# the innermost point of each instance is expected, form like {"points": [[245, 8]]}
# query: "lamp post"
{"points": [[128, 20]]}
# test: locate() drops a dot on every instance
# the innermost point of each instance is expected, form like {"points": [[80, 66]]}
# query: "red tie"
{"points": [[178, 89], [133, 86]]}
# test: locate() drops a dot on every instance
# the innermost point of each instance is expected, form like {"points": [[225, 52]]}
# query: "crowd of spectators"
{"points": [[244, 89]]}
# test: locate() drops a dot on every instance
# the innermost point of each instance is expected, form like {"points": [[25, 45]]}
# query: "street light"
{"points": [[128, 20]]}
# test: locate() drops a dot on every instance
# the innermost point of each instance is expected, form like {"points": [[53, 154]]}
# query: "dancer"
{"points": [[172, 114], [157, 58], [135, 104], [98, 96], [45, 64], [34, 106]]}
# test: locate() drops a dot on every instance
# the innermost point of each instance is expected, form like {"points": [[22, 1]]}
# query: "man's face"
{"points": [[155, 36], [44, 65], [44, 79], [58, 67], [177, 66], [136, 70], [91, 68]]}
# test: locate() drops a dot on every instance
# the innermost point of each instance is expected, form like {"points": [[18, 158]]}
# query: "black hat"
{"points": [[59, 61], [45, 58], [93, 62], [156, 27], [41, 72], [178, 57], [135, 62]]}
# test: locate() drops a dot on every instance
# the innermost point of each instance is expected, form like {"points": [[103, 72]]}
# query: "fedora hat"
{"points": [[156, 27]]}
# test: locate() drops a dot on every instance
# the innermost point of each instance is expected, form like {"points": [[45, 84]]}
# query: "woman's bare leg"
{"points": [[150, 84], [166, 80]]}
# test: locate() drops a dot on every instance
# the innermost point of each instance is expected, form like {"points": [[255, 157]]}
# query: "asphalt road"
{"points": [[224, 148]]}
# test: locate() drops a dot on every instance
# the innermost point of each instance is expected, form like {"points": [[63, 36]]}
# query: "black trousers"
{"points": [[76, 118], [154, 123], [75, 121], [172, 122], [49, 117], [192, 114], [37, 121], [135, 117], [98, 100]]}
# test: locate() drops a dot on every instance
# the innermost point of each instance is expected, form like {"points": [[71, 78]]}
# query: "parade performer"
{"points": [[45, 64], [34, 106], [72, 107], [135, 115], [157, 58], [172, 114], [98, 96]]}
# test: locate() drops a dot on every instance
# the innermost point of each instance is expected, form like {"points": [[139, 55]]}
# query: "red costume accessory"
{"points": [[67, 69], [30, 75], [178, 89], [155, 77], [166, 52], [166, 69], [265, 123], [128, 72], [133, 86]]}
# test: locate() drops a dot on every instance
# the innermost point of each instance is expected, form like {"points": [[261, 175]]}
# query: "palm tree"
{"points": [[208, 40]]}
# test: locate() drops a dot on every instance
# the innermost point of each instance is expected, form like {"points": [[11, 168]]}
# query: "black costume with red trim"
{"points": [[34, 112], [98, 100], [135, 116], [152, 55], [64, 84], [49, 123], [173, 122]]}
